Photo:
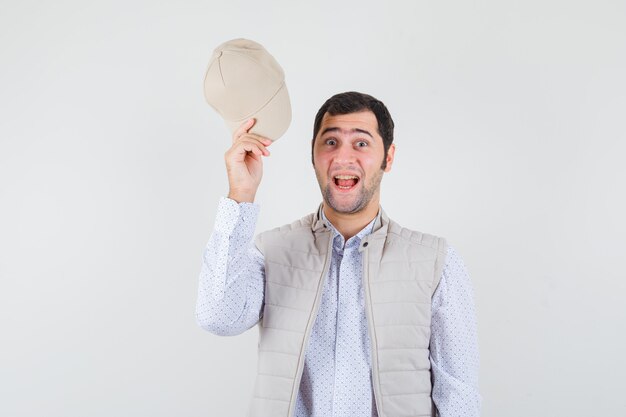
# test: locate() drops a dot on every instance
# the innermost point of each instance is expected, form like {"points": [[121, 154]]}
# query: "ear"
{"points": [[390, 154], [313, 152]]}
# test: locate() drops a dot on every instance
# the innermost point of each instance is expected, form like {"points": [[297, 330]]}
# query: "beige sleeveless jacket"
{"points": [[401, 269]]}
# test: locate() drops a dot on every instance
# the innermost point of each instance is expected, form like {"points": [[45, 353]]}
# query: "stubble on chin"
{"points": [[361, 201], [354, 207]]}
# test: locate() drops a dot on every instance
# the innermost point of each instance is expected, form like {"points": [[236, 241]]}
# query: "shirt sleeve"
{"points": [[454, 352], [232, 275]]}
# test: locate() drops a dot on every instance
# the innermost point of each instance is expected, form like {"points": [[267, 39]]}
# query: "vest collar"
{"points": [[379, 231]]}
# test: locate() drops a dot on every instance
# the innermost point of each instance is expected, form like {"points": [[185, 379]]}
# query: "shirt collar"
{"points": [[364, 232]]}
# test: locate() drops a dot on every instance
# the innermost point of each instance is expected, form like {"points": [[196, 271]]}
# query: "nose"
{"points": [[345, 154]]}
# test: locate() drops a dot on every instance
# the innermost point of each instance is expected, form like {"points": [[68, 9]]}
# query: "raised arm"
{"points": [[231, 287]]}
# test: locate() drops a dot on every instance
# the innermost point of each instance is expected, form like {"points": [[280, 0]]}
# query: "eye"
{"points": [[330, 142], [361, 144]]}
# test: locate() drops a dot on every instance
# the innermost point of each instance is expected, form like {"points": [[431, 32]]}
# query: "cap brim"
{"points": [[272, 120]]}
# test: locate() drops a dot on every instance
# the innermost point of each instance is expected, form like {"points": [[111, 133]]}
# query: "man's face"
{"points": [[348, 153]]}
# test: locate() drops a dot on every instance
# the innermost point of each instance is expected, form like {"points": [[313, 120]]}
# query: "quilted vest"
{"points": [[401, 269]]}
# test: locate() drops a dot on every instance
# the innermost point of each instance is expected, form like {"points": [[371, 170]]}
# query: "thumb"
{"points": [[243, 128], [249, 123]]}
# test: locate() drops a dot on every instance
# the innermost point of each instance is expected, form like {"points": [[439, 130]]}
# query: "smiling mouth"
{"points": [[345, 182]]}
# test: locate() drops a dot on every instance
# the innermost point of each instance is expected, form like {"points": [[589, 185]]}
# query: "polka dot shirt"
{"points": [[336, 379]]}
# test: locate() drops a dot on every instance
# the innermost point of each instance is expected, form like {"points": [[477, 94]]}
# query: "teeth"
{"points": [[346, 177]]}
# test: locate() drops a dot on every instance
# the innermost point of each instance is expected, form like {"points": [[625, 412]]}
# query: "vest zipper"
{"points": [[305, 343], [372, 334]]}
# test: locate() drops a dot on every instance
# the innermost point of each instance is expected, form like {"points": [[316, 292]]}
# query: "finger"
{"points": [[254, 147], [239, 154], [262, 139], [254, 156], [256, 143], [243, 128]]}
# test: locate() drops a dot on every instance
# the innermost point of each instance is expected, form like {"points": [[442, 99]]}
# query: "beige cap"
{"points": [[243, 81]]}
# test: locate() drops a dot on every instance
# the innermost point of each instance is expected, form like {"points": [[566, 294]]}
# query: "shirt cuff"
{"points": [[229, 213]]}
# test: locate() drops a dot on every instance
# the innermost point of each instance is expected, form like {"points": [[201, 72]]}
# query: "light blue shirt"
{"points": [[336, 379]]}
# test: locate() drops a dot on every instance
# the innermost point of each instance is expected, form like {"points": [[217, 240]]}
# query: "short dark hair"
{"points": [[352, 102]]}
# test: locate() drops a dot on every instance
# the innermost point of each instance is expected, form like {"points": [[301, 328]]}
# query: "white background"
{"points": [[510, 134]]}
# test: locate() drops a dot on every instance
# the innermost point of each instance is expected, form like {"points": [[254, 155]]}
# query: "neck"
{"points": [[349, 224]]}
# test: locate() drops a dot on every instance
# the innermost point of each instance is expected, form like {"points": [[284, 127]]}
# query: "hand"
{"points": [[244, 164]]}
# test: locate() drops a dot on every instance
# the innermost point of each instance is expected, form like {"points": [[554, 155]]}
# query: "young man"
{"points": [[357, 315]]}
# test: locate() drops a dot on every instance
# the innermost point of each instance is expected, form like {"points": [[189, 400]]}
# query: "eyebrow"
{"points": [[336, 129]]}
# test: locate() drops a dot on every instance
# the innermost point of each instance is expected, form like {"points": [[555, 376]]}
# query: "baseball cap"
{"points": [[244, 81]]}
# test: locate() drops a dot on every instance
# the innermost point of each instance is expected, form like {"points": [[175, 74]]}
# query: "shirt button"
{"points": [[365, 244]]}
